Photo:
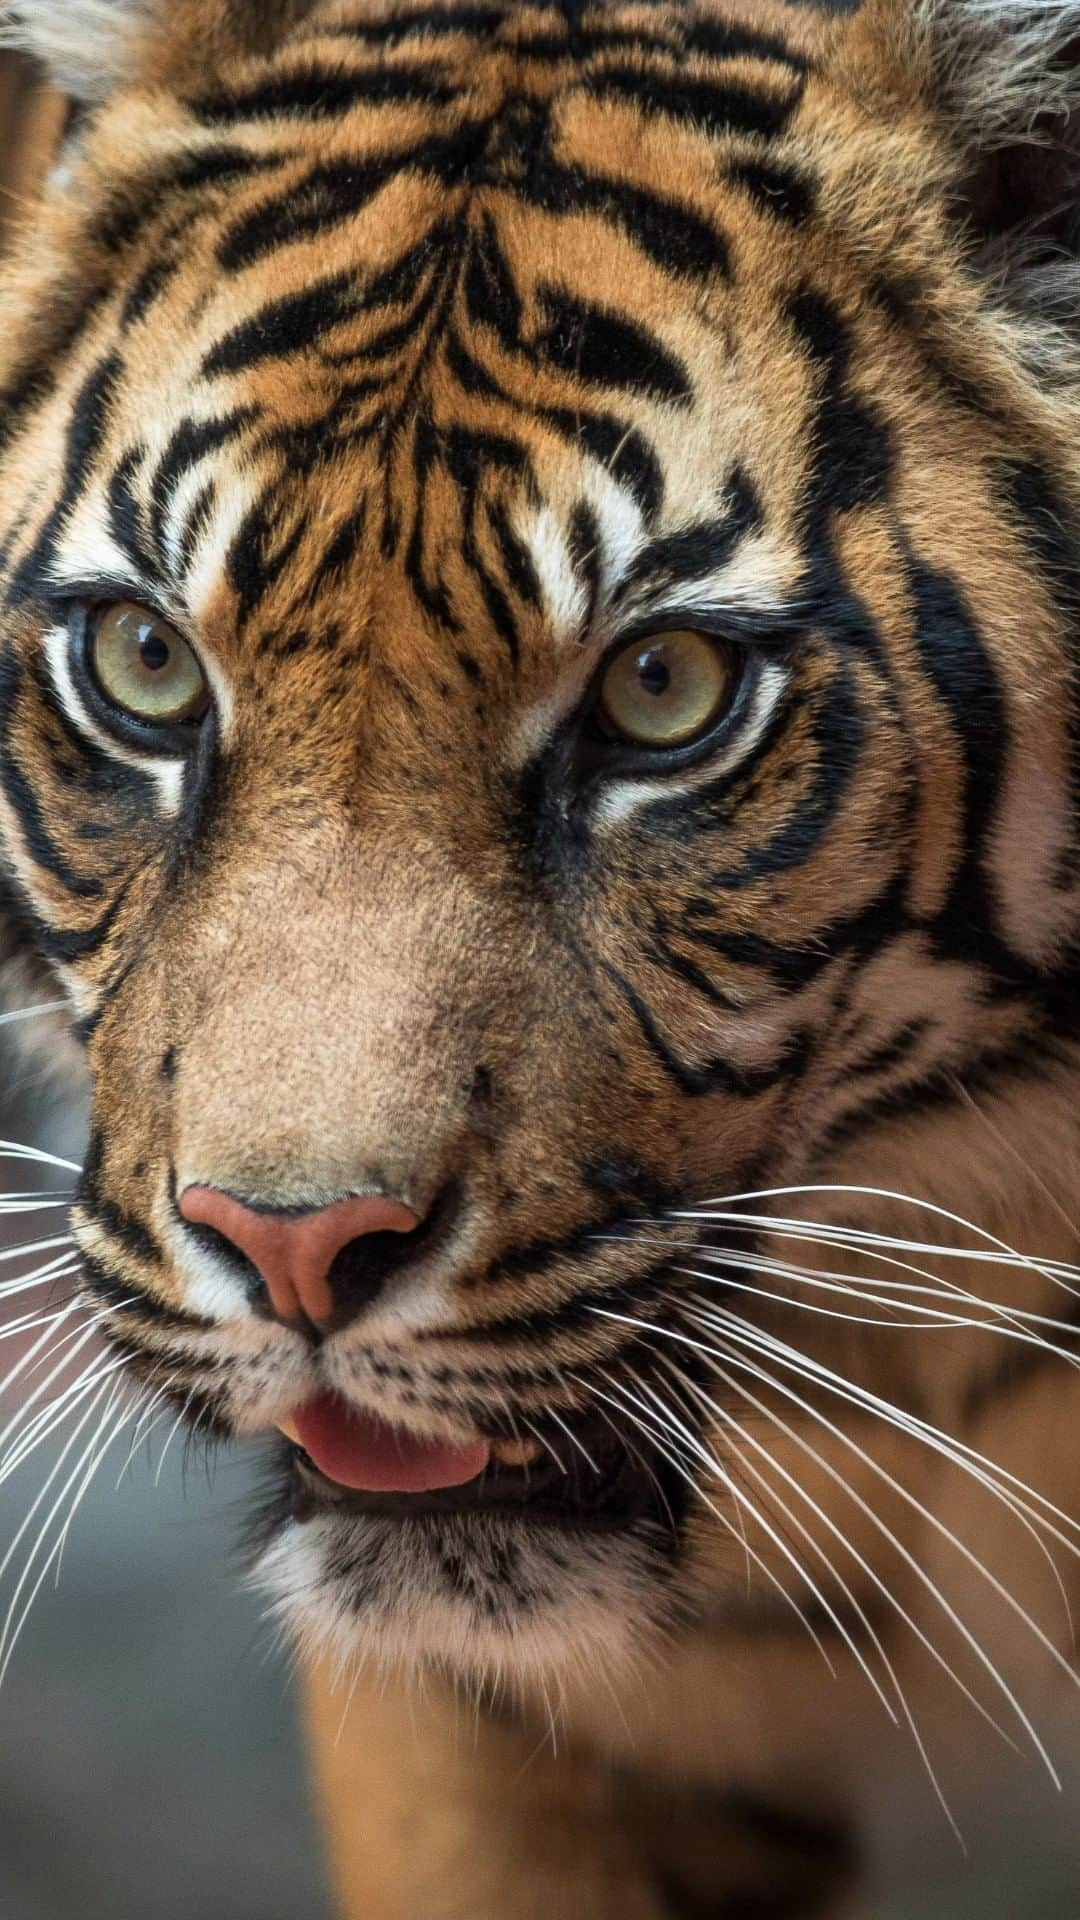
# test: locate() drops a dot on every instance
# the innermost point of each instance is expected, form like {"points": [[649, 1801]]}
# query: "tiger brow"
{"points": [[700, 548]]}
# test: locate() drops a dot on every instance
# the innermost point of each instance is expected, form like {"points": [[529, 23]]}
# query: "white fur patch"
{"points": [[535, 1604], [564, 594], [89, 46]]}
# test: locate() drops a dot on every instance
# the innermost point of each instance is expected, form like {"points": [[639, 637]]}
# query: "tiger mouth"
{"points": [[584, 1476]]}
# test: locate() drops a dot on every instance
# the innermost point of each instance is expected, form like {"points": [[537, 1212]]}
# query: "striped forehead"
{"points": [[414, 228]]}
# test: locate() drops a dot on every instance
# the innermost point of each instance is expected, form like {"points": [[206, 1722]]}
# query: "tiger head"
{"points": [[538, 600]]}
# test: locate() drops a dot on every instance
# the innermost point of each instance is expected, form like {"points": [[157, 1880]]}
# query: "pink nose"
{"points": [[295, 1252]]}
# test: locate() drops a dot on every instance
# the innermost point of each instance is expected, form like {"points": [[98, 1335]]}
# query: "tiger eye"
{"points": [[144, 667], [668, 690]]}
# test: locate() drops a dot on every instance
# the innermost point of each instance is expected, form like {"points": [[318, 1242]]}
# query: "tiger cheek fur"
{"points": [[408, 365]]}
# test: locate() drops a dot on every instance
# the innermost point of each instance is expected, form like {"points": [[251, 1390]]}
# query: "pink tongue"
{"points": [[360, 1452]]}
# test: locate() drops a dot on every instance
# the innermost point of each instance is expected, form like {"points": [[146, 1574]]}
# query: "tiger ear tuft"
{"points": [[1004, 78], [89, 48]]}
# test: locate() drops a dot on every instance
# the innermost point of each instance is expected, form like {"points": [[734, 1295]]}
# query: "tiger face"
{"points": [[537, 713]]}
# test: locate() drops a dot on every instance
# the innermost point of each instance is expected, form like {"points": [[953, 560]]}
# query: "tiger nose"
{"points": [[324, 1266]]}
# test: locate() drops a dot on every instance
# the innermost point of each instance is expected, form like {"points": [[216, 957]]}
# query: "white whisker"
{"points": [[958, 1452], [648, 1427], [143, 1430], [23, 1364], [11, 1628], [37, 1246], [32, 1013], [734, 1425], [689, 1439], [174, 1429], [789, 1357], [60, 1266], [990, 1246], [56, 1470], [53, 1415], [837, 1283], [14, 1150]]}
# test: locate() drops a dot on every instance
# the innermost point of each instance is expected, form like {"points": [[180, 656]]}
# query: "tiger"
{"points": [[539, 592]]}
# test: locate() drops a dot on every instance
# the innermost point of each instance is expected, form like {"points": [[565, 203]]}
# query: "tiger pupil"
{"points": [[655, 677], [154, 652]]}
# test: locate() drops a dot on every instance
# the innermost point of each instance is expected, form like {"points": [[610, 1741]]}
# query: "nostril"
{"points": [[361, 1269]]}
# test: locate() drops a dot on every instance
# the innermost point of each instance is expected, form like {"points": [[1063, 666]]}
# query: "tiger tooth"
{"points": [[515, 1453]]}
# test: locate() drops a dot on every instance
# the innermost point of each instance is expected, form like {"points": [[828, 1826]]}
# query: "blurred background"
{"points": [[150, 1759]]}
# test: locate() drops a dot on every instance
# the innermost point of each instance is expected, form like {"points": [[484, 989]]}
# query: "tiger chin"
{"points": [[538, 736]]}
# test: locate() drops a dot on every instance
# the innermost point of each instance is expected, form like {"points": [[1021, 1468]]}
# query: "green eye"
{"points": [[144, 667], [668, 690]]}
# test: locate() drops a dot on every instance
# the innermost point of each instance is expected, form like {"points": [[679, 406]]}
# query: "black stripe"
{"points": [[286, 326], [961, 672], [585, 541], [897, 1051], [315, 92], [713, 107], [838, 731], [616, 446], [662, 954], [791, 1865], [197, 521], [188, 444], [86, 429], [1048, 529], [421, 22], [113, 1289], [700, 548], [726, 40], [716, 1075], [1022, 1363], [852, 457], [865, 932], [402, 279], [778, 190], [516, 558], [334, 192], [1022, 1061], [214, 167], [491, 297], [125, 514], [606, 349], [498, 607], [34, 382], [635, 1294], [23, 801], [160, 270], [341, 549], [672, 235], [69, 945], [260, 552]]}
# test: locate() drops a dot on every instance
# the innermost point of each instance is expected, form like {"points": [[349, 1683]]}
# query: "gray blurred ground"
{"points": [[149, 1762]]}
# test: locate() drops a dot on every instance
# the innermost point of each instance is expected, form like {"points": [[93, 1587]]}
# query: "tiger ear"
{"points": [[89, 48], [1004, 80]]}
